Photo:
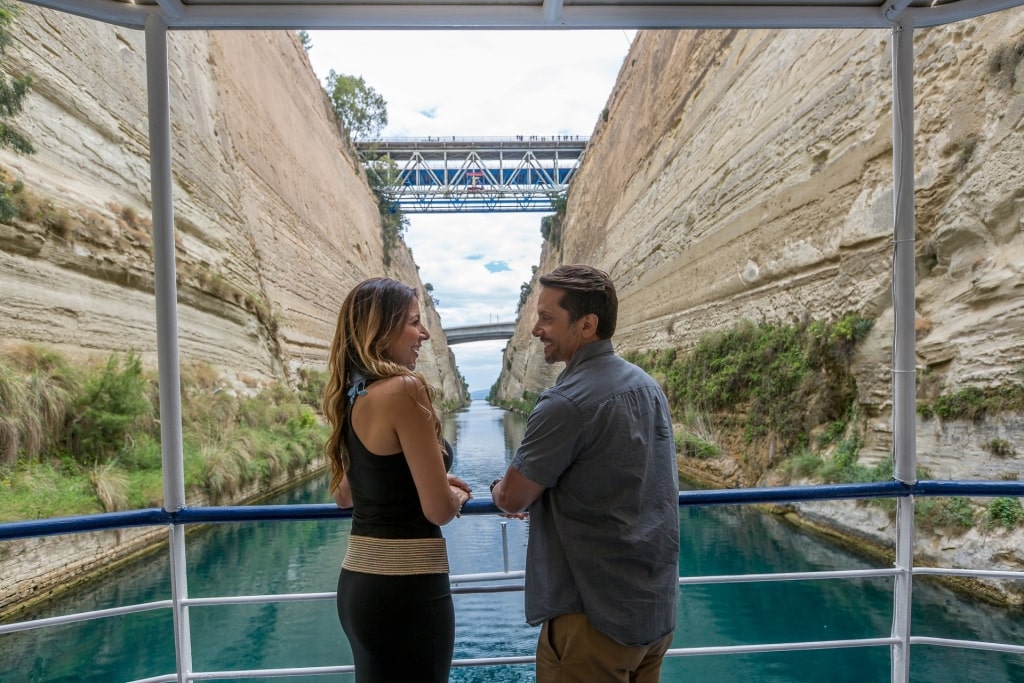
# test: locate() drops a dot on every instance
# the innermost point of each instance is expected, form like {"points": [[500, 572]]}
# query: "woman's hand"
{"points": [[460, 490], [457, 483]]}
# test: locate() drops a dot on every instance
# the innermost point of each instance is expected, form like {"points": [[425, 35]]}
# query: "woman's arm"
{"points": [[441, 495], [343, 493]]}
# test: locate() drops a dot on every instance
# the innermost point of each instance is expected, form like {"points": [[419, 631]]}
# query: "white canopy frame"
{"points": [[902, 16], [527, 14]]}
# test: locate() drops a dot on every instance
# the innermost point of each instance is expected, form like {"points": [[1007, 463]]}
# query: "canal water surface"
{"points": [[294, 557]]}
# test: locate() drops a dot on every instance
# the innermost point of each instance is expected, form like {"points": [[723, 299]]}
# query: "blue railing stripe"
{"points": [[250, 513]]}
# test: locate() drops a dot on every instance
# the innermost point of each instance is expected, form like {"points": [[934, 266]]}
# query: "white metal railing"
{"points": [[487, 582]]}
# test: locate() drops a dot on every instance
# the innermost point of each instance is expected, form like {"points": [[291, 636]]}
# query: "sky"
{"points": [[478, 83]]}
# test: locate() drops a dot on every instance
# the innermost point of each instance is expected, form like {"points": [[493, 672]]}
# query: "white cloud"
{"points": [[453, 252], [478, 83]]}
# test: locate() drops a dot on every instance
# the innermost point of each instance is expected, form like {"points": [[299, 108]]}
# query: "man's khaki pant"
{"points": [[570, 650]]}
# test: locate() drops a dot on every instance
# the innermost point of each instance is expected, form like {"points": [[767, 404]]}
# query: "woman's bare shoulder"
{"points": [[401, 388]]}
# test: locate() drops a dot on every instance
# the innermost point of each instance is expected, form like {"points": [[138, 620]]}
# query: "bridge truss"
{"points": [[474, 175]]}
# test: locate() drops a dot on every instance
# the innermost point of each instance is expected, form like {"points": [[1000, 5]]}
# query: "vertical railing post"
{"points": [[904, 384], [157, 81], [504, 544]]}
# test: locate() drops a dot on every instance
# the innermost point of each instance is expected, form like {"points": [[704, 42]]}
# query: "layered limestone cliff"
{"points": [[274, 225], [748, 175], [274, 220]]}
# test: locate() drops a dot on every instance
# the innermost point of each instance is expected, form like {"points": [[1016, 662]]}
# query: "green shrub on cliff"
{"points": [[975, 403], [112, 404], [84, 440], [781, 380], [1004, 512], [951, 514]]}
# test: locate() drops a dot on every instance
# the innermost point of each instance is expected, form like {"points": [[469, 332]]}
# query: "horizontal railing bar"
{"points": [[309, 597], [260, 599], [80, 523], [259, 513], [494, 661], [981, 489], [250, 513], [270, 673], [165, 678], [509, 588], [788, 576], [980, 573], [489, 576], [84, 616], [780, 647], [970, 644]]}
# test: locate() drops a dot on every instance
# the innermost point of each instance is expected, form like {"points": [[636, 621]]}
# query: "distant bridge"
{"points": [[450, 174], [473, 333]]}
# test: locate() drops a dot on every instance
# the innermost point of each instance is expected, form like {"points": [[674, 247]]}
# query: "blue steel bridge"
{"points": [[450, 174]]}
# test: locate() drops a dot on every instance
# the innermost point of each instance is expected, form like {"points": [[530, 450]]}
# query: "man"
{"points": [[597, 470]]}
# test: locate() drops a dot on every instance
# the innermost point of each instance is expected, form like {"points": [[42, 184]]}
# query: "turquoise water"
{"points": [[293, 557]]}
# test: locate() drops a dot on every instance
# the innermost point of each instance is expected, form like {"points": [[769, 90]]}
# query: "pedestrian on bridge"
{"points": [[597, 470]]}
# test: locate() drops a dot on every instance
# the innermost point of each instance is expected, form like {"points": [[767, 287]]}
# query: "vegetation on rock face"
{"points": [[974, 403], [381, 173], [551, 226], [785, 380], [521, 405], [524, 291], [788, 382], [1005, 512], [1003, 61], [12, 95], [85, 439]]}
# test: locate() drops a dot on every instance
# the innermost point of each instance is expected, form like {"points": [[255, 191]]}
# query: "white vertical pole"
{"points": [[904, 389], [157, 82]]}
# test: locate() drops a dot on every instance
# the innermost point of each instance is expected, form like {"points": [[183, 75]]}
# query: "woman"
{"points": [[389, 463]]}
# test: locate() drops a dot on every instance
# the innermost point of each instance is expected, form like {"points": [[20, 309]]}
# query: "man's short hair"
{"points": [[586, 290]]}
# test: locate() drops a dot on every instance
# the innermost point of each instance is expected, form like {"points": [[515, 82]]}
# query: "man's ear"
{"points": [[588, 326]]}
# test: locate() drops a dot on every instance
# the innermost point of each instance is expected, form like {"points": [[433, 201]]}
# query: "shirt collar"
{"points": [[601, 347]]}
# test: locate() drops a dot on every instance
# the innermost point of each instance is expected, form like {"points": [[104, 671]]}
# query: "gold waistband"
{"points": [[396, 556]]}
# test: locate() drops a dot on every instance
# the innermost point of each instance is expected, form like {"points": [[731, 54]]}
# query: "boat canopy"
{"points": [[902, 17], [528, 14]]}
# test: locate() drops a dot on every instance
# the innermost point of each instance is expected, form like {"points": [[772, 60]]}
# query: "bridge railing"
{"points": [[459, 139], [470, 583]]}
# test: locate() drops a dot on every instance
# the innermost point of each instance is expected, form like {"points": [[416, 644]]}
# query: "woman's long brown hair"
{"points": [[370, 317]]}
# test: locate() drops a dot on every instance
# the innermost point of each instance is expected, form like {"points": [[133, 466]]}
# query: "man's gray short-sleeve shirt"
{"points": [[604, 535]]}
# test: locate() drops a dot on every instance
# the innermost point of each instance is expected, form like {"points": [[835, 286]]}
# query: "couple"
{"points": [[596, 468]]}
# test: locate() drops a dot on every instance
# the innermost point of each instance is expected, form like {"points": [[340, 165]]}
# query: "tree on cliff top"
{"points": [[362, 111]]}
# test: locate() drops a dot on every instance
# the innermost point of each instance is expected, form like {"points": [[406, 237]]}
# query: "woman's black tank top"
{"points": [[385, 503]]}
